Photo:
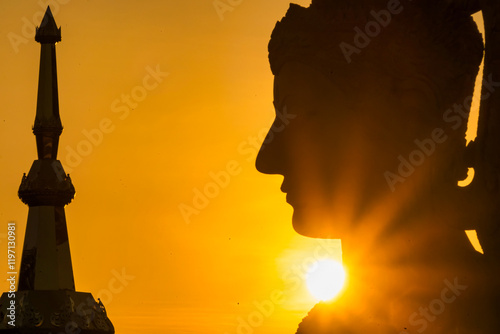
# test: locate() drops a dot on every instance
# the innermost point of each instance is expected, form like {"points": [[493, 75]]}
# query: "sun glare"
{"points": [[325, 278]]}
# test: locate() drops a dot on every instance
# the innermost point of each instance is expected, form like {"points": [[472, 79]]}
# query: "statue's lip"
{"points": [[289, 197], [295, 202], [284, 186], [292, 197]]}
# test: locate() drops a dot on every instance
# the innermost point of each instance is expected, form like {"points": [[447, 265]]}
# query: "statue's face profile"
{"points": [[371, 152], [334, 144]]}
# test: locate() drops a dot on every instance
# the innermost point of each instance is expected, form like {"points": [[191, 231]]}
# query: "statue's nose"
{"points": [[271, 157]]}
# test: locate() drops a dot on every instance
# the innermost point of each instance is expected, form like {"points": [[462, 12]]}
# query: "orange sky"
{"points": [[151, 155], [199, 277]]}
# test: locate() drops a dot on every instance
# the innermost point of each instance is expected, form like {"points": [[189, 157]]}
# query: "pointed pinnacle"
{"points": [[48, 31]]}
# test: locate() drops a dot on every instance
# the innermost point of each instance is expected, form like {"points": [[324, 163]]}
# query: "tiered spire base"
{"points": [[52, 312]]}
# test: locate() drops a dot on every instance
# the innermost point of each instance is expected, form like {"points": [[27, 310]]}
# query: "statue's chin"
{"points": [[312, 227]]}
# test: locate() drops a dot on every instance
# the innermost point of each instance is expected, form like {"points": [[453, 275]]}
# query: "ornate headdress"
{"points": [[435, 40], [416, 43]]}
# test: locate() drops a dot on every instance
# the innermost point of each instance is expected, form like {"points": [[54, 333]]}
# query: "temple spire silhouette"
{"points": [[48, 127], [46, 260], [46, 300]]}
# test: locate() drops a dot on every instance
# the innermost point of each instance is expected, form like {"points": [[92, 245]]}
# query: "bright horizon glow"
{"points": [[325, 279]]}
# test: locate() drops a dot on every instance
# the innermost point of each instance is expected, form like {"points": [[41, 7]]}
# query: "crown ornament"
{"points": [[399, 38]]}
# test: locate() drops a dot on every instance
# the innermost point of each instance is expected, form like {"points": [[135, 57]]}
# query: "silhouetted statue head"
{"points": [[372, 101]]}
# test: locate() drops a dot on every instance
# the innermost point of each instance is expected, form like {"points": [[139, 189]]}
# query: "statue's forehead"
{"points": [[296, 78]]}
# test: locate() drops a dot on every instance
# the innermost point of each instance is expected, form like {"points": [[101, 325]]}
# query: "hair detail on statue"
{"points": [[413, 39]]}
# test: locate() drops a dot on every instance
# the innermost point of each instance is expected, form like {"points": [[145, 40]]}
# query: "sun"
{"points": [[325, 279]]}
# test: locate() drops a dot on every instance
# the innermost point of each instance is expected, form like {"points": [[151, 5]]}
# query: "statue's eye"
{"points": [[413, 98], [313, 112], [416, 93]]}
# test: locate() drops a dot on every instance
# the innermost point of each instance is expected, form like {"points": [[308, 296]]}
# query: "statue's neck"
{"points": [[421, 236]]}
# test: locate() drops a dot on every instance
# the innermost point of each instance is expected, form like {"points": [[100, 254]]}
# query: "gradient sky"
{"points": [[152, 153], [199, 277]]}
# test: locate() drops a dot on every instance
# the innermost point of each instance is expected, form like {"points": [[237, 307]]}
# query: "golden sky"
{"points": [[149, 154], [157, 98]]}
